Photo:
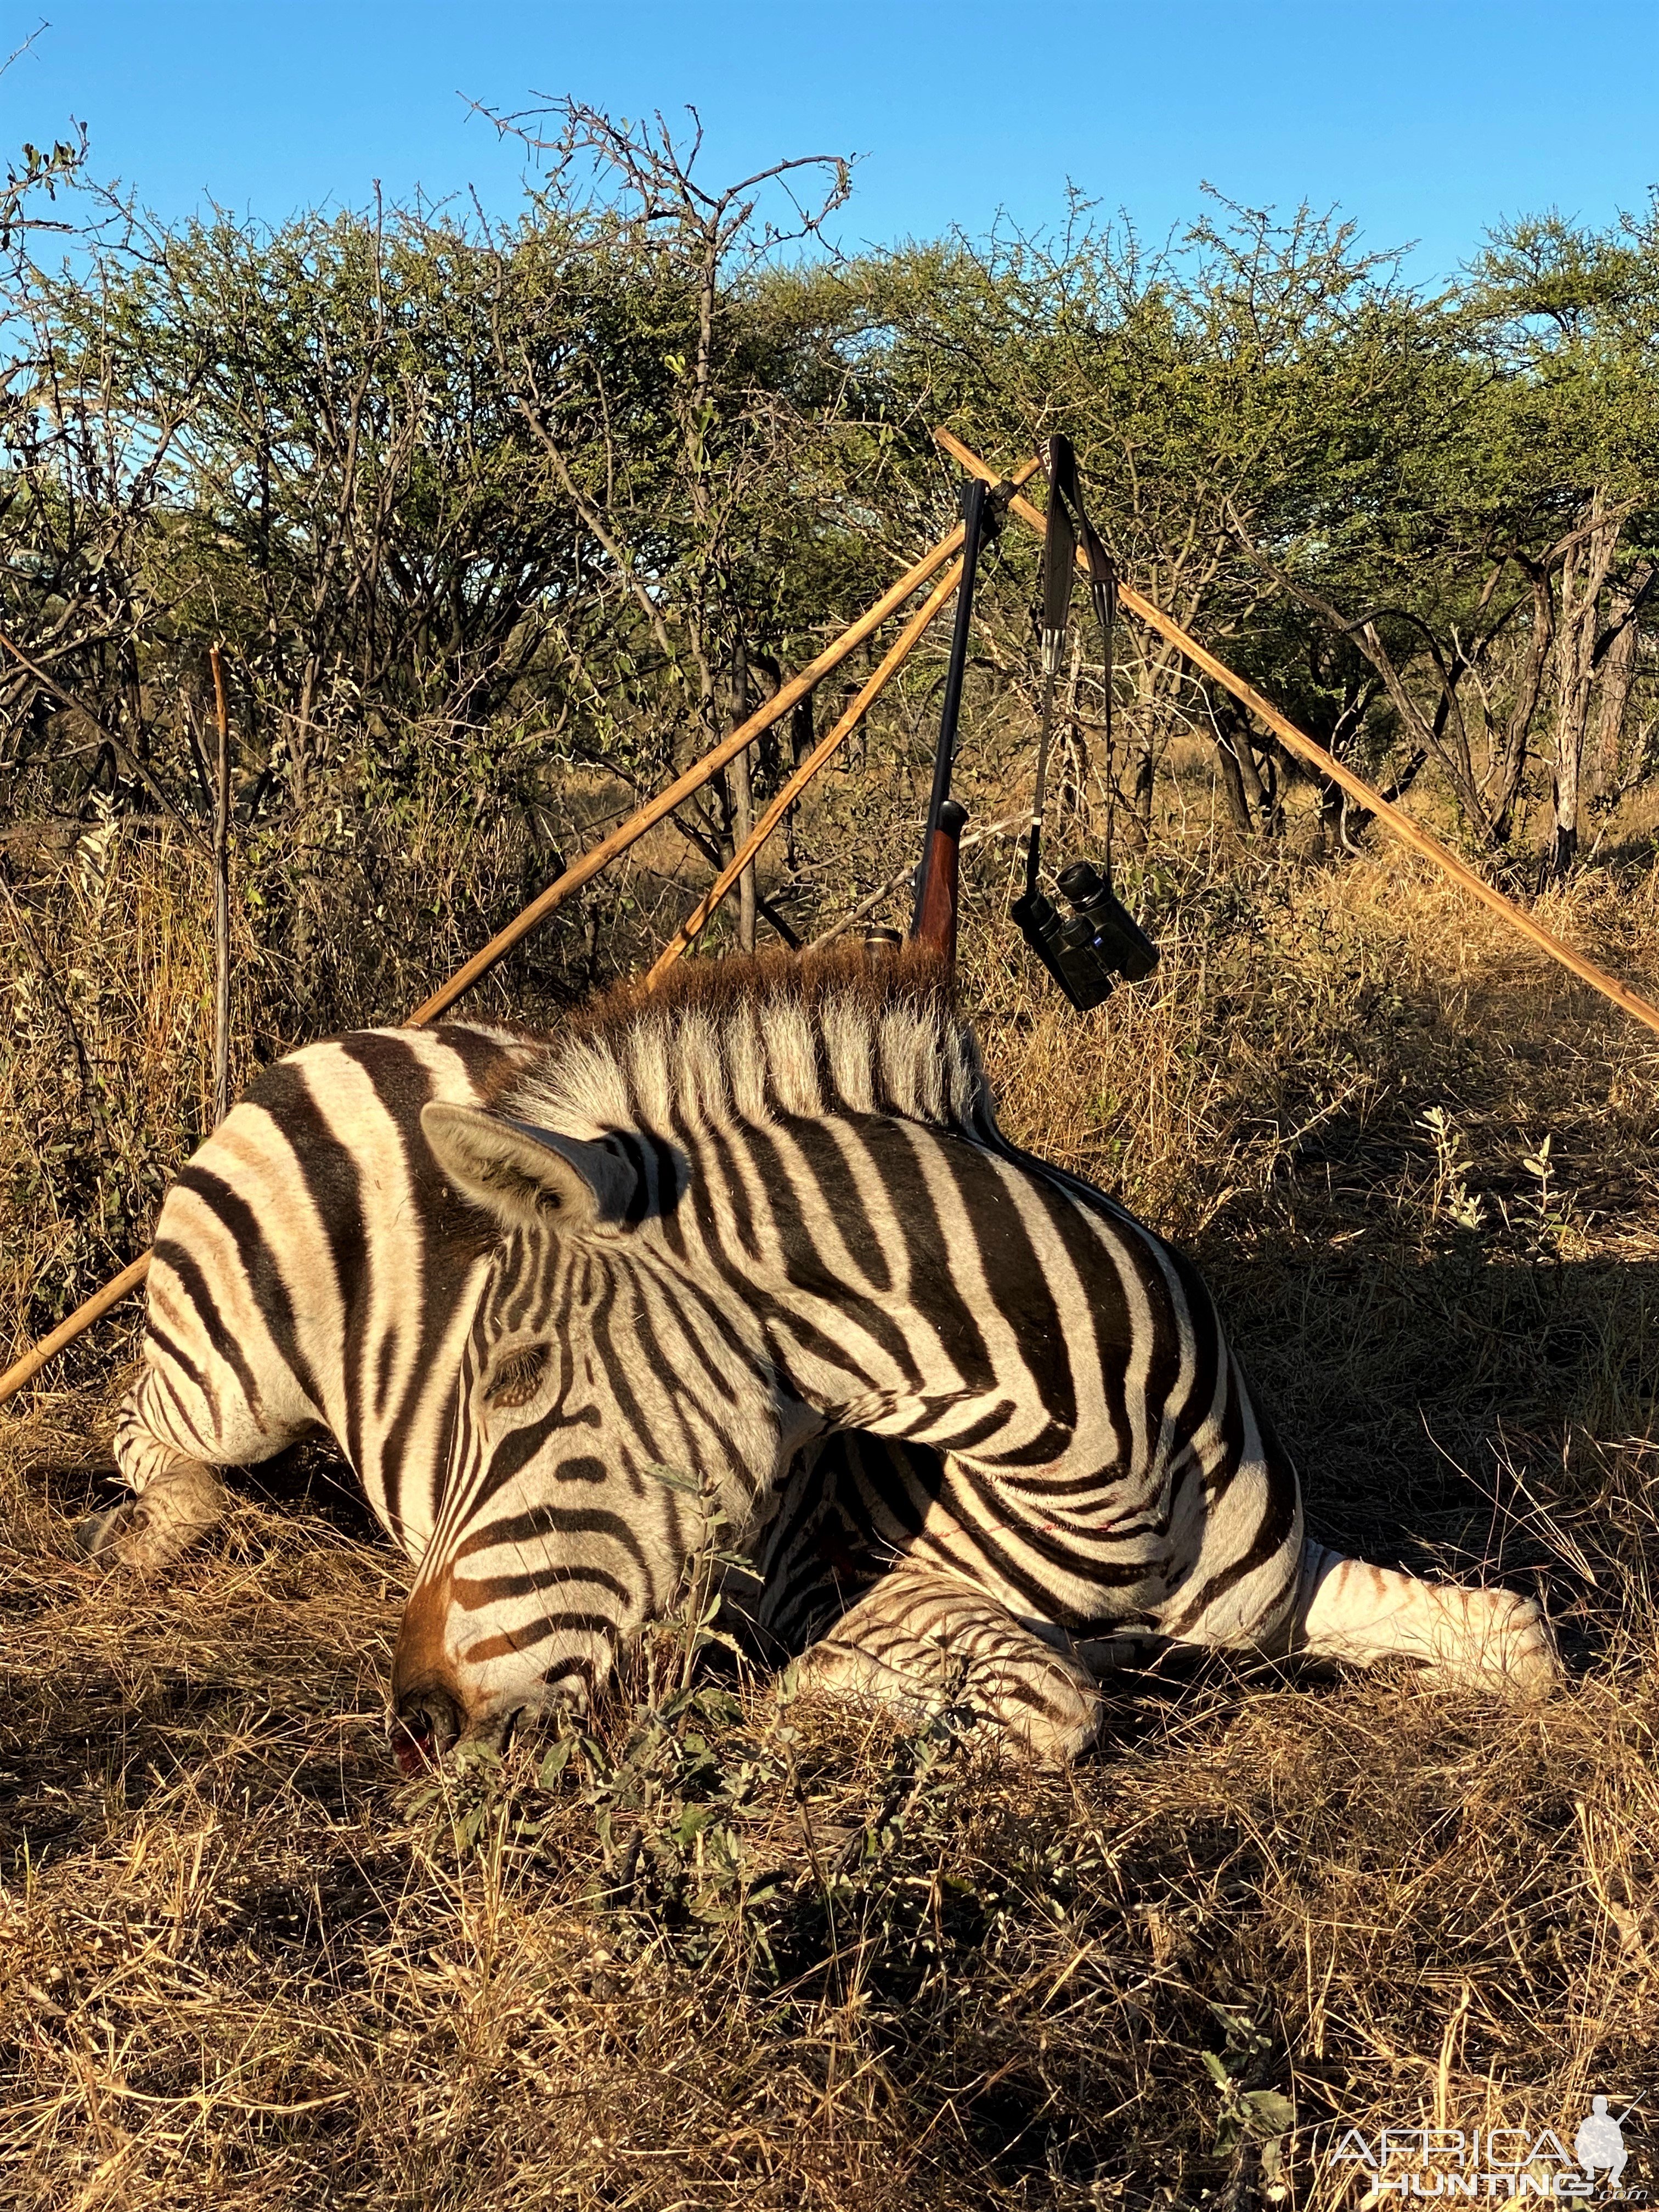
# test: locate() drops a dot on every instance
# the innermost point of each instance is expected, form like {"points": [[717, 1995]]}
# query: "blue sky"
{"points": [[1424, 122]]}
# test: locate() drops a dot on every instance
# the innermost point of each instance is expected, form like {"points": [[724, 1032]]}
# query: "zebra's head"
{"points": [[596, 1424], [669, 1311]]}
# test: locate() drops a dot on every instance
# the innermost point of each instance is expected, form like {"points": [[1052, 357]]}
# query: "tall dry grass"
{"points": [[747, 1952]]}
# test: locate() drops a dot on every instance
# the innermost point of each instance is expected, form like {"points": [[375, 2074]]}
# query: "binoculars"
{"points": [[1086, 951]]}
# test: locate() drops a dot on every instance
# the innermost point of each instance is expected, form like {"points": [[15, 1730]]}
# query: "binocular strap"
{"points": [[1067, 524], [1040, 791]]}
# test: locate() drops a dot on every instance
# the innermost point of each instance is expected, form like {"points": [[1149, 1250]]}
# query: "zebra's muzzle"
{"points": [[427, 1724]]}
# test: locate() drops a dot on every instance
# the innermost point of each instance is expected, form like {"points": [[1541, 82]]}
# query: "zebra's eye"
{"points": [[519, 1377]]}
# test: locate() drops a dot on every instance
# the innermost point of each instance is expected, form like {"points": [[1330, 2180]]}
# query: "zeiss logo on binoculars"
{"points": [[1494, 2164]]}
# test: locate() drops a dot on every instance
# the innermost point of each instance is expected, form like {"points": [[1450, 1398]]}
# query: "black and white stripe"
{"points": [[755, 1245]]}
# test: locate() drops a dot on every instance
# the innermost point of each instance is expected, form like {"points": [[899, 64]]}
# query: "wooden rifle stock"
{"points": [[936, 924]]}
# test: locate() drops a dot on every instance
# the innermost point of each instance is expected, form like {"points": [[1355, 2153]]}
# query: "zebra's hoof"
{"points": [[1499, 1638], [1526, 1654], [105, 1537], [1048, 1708], [147, 1533]]}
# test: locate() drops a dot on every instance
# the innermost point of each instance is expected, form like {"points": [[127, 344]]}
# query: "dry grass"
{"points": [[753, 1954]]}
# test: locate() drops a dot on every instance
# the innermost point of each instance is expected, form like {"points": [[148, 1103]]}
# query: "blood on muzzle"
{"points": [[427, 1724]]}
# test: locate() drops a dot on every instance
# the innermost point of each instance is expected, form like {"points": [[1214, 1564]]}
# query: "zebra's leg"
{"points": [[924, 1643], [1349, 1611]]}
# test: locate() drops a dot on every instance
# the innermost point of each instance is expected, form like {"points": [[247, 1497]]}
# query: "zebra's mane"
{"points": [[748, 1040]]}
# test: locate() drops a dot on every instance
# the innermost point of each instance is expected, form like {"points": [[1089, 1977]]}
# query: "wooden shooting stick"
{"points": [[1399, 823], [897, 654], [23, 1370]]}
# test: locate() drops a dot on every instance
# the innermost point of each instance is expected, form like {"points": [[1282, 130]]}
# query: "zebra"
{"points": [[748, 1251]]}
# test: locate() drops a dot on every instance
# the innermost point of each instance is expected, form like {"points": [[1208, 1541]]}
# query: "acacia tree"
{"points": [[79, 503], [471, 503], [1567, 316], [471, 498], [1248, 372], [1499, 556], [709, 599]]}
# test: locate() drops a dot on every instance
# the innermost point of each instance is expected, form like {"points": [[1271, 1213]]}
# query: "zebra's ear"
{"points": [[522, 1175]]}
